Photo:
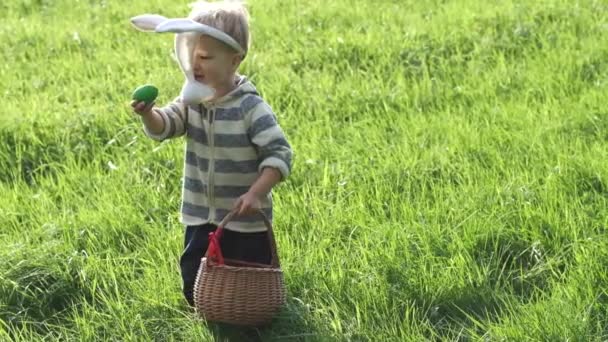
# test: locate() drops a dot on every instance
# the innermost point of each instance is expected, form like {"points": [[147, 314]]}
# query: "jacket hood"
{"points": [[244, 86]]}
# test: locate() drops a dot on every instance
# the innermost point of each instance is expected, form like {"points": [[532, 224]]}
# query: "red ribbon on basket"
{"points": [[215, 252]]}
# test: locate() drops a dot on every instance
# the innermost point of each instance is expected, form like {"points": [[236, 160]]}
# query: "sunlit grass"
{"points": [[450, 176]]}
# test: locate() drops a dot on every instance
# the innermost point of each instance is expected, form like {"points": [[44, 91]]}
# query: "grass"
{"points": [[450, 180]]}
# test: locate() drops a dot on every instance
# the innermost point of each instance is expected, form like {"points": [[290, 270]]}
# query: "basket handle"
{"points": [[214, 239]]}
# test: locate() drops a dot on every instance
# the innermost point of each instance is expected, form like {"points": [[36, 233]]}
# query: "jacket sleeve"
{"points": [[269, 139], [175, 120]]}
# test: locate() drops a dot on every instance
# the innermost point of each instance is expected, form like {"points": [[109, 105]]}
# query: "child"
{"points": [[235, 150]]}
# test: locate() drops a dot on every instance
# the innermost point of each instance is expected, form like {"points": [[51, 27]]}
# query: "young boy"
{"points": [[235, 150]]}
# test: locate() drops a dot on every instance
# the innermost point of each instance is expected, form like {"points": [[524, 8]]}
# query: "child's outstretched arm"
{"points": [[151, 119], [162, 123]]}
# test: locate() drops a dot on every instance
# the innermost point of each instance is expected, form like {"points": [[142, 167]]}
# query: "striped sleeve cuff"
{"points": [[162, 135], [277, 163]]}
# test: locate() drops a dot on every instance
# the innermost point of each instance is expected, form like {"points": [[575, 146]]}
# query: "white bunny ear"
{"points": [[184, 46], [179, 25], [147, 22], [184, 25]]}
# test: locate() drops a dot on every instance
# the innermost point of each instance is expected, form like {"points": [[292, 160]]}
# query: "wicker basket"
{"points": [[237, 292]]}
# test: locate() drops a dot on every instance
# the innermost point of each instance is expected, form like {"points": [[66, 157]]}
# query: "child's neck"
{"points": [[226, 88]]}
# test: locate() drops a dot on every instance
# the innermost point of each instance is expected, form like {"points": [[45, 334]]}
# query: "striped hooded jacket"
{"points": [[228, 143]]}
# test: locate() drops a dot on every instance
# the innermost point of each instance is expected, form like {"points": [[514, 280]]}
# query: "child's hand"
{"points": [[247, 204], [141, 108]]}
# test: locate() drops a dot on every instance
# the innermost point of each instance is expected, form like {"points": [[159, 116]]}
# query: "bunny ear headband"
{"points": [[186, 30], [160, 24]]}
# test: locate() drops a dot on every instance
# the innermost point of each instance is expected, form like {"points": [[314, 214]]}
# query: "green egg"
{"points": [[146, 93]]}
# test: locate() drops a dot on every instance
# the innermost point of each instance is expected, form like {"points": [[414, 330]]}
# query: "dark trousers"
{"points": [[252, 247]]}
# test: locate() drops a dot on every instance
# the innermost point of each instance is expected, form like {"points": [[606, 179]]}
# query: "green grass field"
{"points": [[450, 178]]}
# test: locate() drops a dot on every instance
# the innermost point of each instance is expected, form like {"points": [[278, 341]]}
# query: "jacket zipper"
{"points": [[210, 188]]}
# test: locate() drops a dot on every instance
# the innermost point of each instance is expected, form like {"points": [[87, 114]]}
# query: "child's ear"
{"points": [[236, 60], [147, 22]]}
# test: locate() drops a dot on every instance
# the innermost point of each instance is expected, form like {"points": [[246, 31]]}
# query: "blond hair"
{"points": [[230, 17]]}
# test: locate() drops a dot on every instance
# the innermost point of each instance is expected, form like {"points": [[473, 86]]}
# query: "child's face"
{"points": [[214, 63]]}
